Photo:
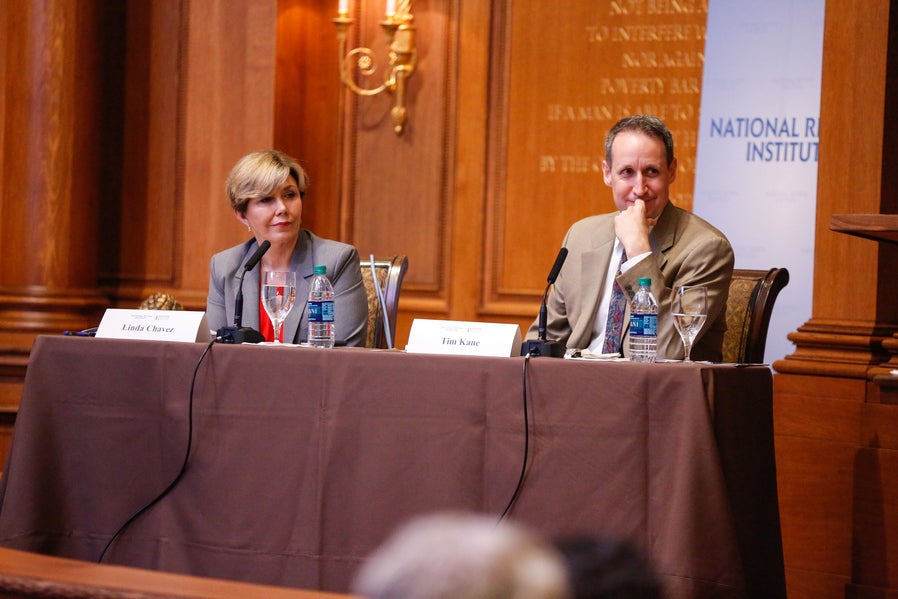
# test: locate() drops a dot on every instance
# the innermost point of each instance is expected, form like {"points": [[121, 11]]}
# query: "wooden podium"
{"points": [[882, 228], [879, 227], [836, 408]]}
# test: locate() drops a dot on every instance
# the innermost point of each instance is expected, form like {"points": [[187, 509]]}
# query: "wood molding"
{"points": [[44, 309], [837, 348]]}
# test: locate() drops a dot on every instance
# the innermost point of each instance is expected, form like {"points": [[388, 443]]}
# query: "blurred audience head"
{"points": [[462, 556], [605, 568]]}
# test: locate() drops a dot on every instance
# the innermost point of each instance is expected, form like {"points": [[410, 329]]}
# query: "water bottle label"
{"points": [[645, 325], [321, 311]]}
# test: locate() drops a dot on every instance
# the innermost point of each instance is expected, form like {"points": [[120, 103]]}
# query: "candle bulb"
{"points": [[391, 7], [343, 8]]}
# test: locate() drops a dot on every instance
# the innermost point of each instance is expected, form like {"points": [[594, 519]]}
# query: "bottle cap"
{"points": [[647, 281], [320, 269]]}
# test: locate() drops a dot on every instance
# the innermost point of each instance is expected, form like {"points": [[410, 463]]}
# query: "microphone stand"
{"points": [[539, 346], [239, 333]]}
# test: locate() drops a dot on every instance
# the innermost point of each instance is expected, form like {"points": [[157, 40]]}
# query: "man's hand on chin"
{"points": [[632, 227]]}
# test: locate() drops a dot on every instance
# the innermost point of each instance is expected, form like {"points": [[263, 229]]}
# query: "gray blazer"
{"points": [[343, 270], [687, 251]]}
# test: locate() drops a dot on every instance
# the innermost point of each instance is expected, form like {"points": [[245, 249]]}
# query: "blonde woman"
{"points": [[266, 191]]}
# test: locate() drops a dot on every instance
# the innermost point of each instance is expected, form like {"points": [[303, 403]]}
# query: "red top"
{"points": [[265, 326]]}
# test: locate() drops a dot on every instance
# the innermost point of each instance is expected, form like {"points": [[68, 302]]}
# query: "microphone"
{"points": [[541, 347], [250, 264], [239, 333]]}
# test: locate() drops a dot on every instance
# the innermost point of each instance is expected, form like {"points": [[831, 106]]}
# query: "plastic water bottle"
{"points": [[644, 323], [321, 310]]}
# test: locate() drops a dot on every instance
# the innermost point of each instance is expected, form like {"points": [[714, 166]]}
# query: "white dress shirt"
{"points": [[598, 339]]}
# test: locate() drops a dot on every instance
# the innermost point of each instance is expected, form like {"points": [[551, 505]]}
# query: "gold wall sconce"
{"points": [[398, 24]]}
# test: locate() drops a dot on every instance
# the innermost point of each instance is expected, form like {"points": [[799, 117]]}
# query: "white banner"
{"points": [[756, 169]]}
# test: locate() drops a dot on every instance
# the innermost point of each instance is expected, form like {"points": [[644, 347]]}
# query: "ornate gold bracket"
{"points": [[400, 32]]}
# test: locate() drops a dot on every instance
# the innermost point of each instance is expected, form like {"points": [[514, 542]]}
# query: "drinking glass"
{"points": [[689, 309], [278, 293]]}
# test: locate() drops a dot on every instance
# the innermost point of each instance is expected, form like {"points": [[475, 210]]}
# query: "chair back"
{"points": [[388, 274], [749, 306], [160, 301]]}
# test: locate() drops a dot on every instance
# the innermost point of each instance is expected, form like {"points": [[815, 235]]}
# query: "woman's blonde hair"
{"points": [[258, 174]]}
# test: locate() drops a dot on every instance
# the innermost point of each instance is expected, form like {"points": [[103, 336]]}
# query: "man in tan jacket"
{"points": [[647, 237]]}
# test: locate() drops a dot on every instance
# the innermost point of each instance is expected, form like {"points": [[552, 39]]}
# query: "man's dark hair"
{"points": [[645, 124]]}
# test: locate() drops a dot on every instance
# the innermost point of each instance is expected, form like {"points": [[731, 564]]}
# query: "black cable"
{"points": [[517, 489], [180, 473]]}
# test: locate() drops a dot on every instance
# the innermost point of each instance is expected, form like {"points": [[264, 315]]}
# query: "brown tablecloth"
{"points": [[302, 461]]}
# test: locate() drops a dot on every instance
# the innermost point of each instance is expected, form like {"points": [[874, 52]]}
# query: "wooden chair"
{"points": [[749, 306], [390, 272]]}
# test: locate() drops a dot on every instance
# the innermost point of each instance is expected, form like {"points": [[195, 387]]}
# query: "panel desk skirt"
{"points": [[302, 461]]}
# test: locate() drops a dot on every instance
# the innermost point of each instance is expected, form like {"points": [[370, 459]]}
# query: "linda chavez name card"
{"points": [[156, 325], [458, 337]]}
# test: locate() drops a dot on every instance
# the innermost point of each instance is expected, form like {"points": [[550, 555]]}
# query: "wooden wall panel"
{"points": [[200, 94], [40, 118], [399, 198], [502, 120], [4, 35], [139, 249], [51, 169], [837, 467], [53, 162], [853, 116], [552, 105], [308, 106], [801, 584], [815, 506], [384, 193], [816, 424], [875, 510], [468, 207], [232, 53], [547, 108]]}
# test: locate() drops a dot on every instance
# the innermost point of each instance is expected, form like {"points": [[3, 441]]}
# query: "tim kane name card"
{"points": [[156, 325], [459, 337]]}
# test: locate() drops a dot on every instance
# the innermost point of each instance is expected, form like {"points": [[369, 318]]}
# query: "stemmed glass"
{"points": [[278, 293], [689, 309]]}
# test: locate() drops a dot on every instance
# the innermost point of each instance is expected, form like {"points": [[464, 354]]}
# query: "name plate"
{"points": [[157, 325], [459, 337]]}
